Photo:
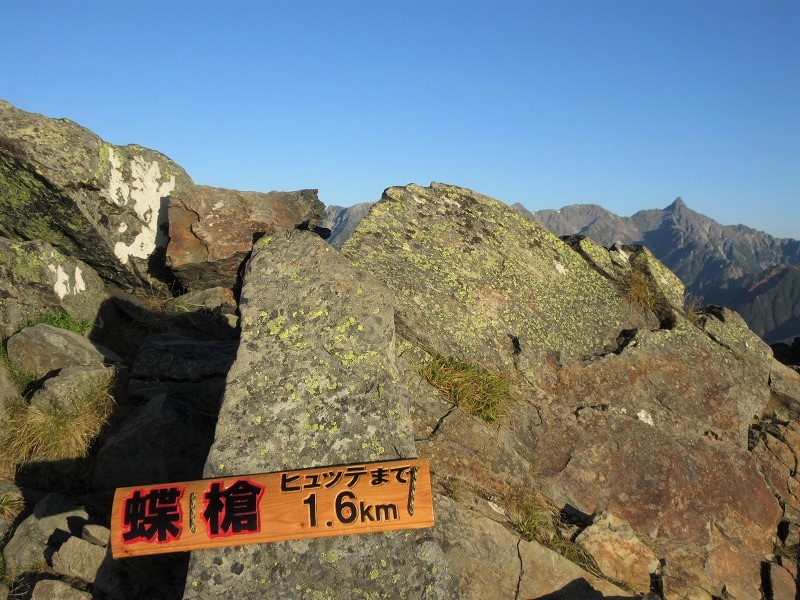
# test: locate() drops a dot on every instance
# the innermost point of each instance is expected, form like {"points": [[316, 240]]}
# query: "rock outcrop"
{"points": [[634, 428], [103, 204], [212, 230]]}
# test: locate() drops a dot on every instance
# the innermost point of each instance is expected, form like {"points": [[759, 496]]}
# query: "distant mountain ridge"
{"points": [[750, 271], [754, 273]]}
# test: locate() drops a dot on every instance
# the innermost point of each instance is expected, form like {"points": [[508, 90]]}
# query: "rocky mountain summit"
{"points": [[588, 436]]}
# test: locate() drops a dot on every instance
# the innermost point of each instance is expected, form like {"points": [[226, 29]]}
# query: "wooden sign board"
{"points": [[271, 507]]}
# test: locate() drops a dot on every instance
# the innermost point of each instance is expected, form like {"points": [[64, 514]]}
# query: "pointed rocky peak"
{"points": [[677, 206]]}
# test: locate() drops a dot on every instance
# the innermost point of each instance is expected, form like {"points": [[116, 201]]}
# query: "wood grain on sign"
{"points": [[271, 507]]}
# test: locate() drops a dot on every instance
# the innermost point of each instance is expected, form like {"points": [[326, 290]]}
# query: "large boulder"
{"points": [[35, 278], [474, 278], [41, 349], [212, 230], [103, 204], [314, 383]]}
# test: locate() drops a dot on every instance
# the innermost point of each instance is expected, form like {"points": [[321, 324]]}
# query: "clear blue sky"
{"points": [[624, 104]]}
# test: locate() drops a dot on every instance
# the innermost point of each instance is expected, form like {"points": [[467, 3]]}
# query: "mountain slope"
{"points": [[720, 263]]}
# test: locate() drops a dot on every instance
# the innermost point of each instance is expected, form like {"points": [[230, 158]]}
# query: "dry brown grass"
{"points": [[36, 434]]}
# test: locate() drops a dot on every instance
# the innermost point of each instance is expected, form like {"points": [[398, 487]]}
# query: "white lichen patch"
{"points": [[63, 285], [561, 268], [645, 417], [145, 191], [218, 205], [80, 285]]}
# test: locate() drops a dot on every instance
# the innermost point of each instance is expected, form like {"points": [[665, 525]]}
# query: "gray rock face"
{"points": [[71, 384], [43, 348], [314, 383], [103, 204], [212, 229], [178, 437], [54, 517], [78, 558], [35, 277], [54, 589], [174, 357], [7, 388]]}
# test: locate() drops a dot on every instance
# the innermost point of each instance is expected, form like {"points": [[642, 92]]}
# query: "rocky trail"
{"points": [[589, 436]]}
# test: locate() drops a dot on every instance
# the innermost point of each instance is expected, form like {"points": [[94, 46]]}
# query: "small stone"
{"points": [[96, 534], [620, 555], [54, 589], [78, 558]]}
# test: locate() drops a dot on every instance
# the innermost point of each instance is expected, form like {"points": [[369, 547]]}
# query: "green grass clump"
{"points": [[34, 434], [482, 393], [62, 320]]}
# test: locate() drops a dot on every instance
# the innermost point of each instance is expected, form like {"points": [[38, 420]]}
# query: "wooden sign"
{"points": [[271, 507]]}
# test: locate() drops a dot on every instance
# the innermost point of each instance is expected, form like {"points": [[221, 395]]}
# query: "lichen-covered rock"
{"points": [[43, 348], [72, 384], [103, 204], [214, 298], [7, 388], [315, 383], [35, 278], [474, 278], [212, 229], [54, 518]]}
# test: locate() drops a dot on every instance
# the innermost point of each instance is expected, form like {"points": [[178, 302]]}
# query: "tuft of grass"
{"points": [[480, 392], [537, 519], [35, 434], [640, 289], [18, 376], [10, 506], [62, 320], [693, 308]]}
